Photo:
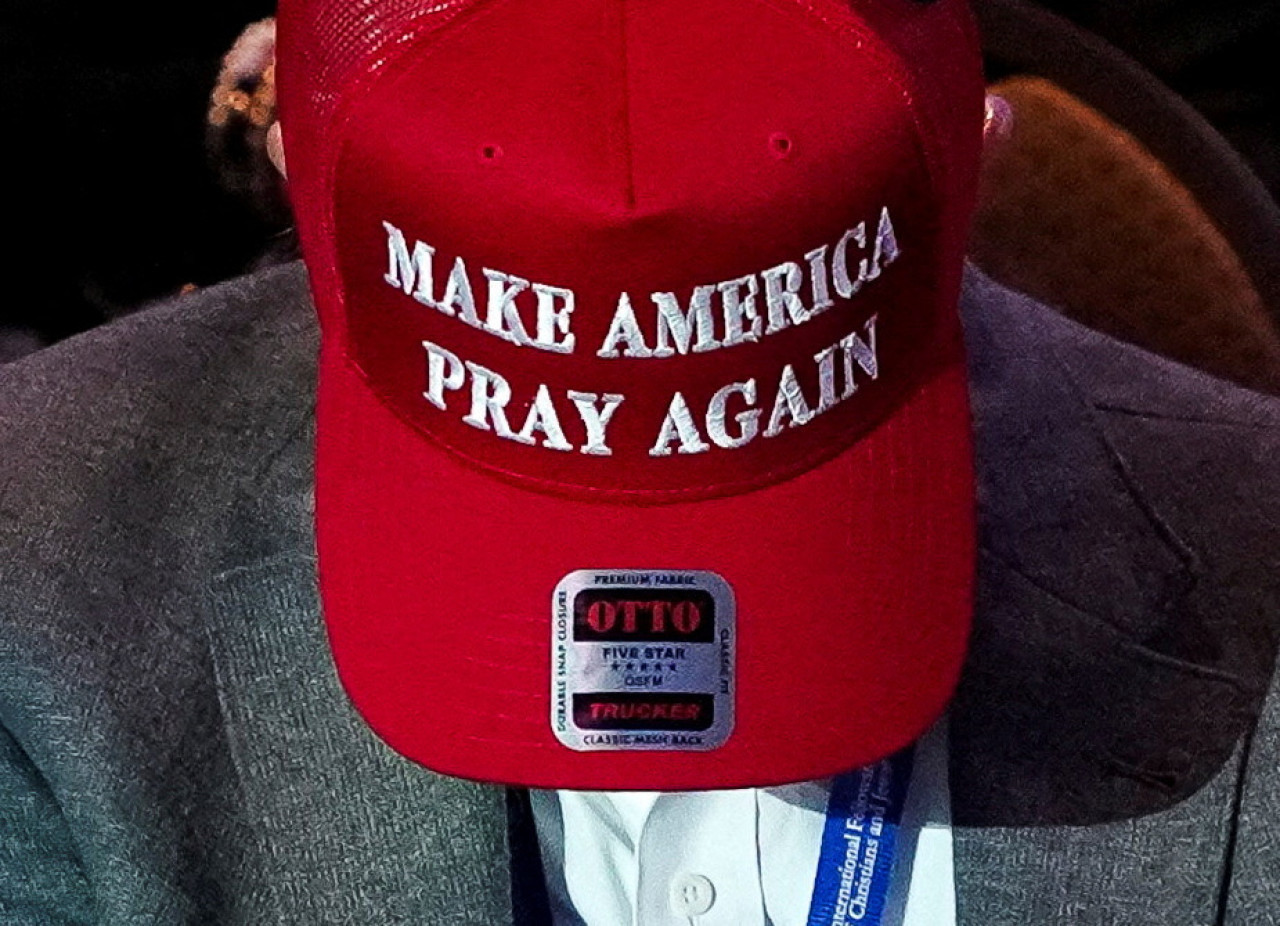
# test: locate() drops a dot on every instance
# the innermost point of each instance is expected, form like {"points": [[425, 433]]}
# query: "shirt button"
{"points": [[692, 894]]}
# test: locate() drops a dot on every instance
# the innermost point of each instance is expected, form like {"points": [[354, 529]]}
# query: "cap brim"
{"points": [[853, 585]]}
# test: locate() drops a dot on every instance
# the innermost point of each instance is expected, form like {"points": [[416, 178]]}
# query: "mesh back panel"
{"points": [[325, 48]]}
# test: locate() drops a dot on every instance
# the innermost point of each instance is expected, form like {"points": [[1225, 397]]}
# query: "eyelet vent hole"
{"points": [[781, 145]]}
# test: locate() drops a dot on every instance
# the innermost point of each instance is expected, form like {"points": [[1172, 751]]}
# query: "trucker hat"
{"points": [[643, 442]]}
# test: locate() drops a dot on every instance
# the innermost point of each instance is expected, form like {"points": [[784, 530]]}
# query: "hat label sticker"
{"points": [[642, 659]]}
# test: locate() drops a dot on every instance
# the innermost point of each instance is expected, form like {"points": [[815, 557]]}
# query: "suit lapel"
{"points": [[342, 828]]}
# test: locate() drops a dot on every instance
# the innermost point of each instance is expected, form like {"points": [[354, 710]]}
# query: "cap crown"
{"points": [[633, 252], [657, 250]]}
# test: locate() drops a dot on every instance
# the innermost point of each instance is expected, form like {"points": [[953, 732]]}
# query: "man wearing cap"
{"points": [[632, 564]]}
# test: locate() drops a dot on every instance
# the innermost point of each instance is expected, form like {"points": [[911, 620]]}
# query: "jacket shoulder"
{"points": [[140, 422], [130, 451], [136, 458], [1013, 336], [1136, 488]]}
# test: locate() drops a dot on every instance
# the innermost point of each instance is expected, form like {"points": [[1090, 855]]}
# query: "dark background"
{"points": [[1221, 55], [111, 203]]}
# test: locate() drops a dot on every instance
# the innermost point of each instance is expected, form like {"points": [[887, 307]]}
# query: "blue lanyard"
{"points": [[855, 864]]}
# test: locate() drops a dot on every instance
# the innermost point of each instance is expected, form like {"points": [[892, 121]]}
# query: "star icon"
{"points": [[631, 666], [615, 666], [673, 666]]}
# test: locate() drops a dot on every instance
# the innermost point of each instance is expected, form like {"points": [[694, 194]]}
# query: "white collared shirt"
{"points": [[731, 858]]}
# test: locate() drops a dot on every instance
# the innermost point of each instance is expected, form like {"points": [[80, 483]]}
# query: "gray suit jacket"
{"points": [[175, 748]]}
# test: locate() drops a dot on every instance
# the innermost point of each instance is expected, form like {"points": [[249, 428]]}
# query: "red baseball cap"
{"points": [[643, 440]]}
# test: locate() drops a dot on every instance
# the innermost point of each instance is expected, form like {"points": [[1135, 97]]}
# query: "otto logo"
{"points": [[686, 615]]}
